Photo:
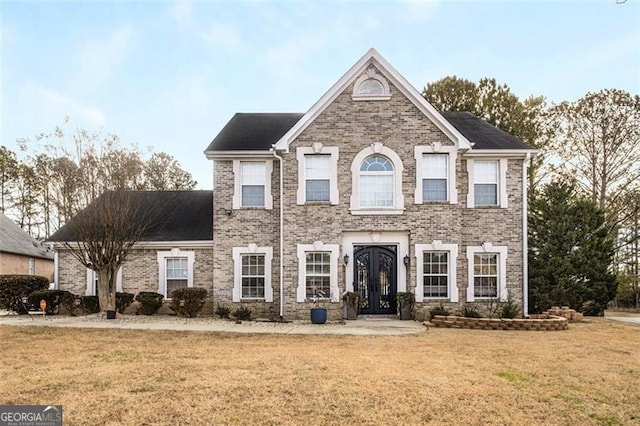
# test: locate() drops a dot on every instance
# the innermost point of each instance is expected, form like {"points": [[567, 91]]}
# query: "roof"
{"points": [[178, 216], [258, 132], [253, 131], [483, 134], [14, 240]]}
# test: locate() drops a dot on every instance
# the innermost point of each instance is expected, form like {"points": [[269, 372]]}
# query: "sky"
{"points": [[168, 75]]}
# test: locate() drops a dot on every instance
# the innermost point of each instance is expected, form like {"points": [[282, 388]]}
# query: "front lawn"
{"points": [[589, 374]]}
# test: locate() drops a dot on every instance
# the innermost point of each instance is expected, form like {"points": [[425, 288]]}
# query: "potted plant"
{"points": [[405, 301], [351, 304], [318, 313]]}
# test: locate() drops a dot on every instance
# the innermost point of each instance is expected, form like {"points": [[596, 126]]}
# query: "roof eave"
{"points": [[227, 155]]}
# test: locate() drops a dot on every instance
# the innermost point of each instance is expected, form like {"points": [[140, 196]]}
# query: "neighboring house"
{"points": [[21, 254], [174, 251], [372, 190]]}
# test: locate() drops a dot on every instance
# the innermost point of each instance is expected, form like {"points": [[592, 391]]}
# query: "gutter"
{"points": [[525, 237], [275, 154]]}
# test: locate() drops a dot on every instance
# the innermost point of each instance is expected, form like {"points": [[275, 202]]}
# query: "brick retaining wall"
{"points": [[550, 323]]}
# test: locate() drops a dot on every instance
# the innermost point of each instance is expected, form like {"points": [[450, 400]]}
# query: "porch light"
{"points": [[406, 260], [346, 259]]}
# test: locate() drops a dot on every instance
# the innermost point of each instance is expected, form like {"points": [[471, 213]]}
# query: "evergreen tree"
{"points": [[570, 252]]}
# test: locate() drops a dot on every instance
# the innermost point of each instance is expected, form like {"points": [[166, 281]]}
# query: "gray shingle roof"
{"points": [[15, 240], [253, 131], [481, 133], [178, 216], [257, 132]]}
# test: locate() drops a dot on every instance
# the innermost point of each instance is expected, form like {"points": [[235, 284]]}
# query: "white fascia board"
{"points": [[156, 244], [373, 57], [228, 155], [499, 153]]}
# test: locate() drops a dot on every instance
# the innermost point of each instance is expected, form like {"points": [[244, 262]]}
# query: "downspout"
{"points": [[525, 236], [275, 154]]}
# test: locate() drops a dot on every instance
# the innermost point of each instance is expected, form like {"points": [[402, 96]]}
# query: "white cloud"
{"points": [[222, 35], [181, 12], [61, 105], [418, 10], [99, 57]]}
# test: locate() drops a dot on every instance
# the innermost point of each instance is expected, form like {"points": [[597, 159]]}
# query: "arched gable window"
{"points": [[377, 181]]}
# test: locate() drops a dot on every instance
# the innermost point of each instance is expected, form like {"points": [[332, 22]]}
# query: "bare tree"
{"points": [[102, 235]]}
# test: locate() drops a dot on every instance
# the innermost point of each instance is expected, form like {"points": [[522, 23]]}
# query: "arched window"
{"points": [[371, 86], [376, 182]]}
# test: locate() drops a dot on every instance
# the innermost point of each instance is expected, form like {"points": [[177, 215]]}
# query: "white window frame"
{"points": [[237, 191], [502, 182], [318, 246], [32, 266], [398, 197], [437, 148], [92, 276], [162, 267], [437, 245], [501, 287], [237, 272], [317, 149]]}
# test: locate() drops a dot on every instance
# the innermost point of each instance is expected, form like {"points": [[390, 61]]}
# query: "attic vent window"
{"points": [[371, 86]]}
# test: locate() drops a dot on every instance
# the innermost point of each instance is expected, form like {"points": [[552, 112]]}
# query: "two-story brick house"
{"points": [[371, 190]]}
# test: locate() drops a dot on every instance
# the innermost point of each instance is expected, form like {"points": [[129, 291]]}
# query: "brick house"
{"points": [[21, 254], [371, 190]]}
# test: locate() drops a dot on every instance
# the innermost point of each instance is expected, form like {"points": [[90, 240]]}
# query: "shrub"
{"points": [[90, 304], [242, 313], [188, 302], [69, 304], [510, 310], [14, 290], [223, 311], [150, 302], [123, 300], [439, 310], [54, 298], [470, 311]]}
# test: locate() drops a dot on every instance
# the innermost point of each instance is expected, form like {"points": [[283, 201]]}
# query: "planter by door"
{"points": [[406, 301], [318, 315], [351, 303]]}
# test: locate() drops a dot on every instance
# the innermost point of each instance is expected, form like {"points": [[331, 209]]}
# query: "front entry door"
{"points": [[375, 278]]}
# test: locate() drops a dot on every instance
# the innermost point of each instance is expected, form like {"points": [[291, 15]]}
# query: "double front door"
{"points": [[375, 278]]}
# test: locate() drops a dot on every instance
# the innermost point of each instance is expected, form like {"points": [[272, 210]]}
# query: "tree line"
{"points": [[63, 171], [584, 188]]}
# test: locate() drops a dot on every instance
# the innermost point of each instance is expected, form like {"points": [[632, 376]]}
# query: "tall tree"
{"points": [[162, 172], [598, 141], [570, 252], [8, 176], [26, 204]]}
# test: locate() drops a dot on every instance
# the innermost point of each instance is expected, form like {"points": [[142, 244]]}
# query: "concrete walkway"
{"points": [[364, 326], [632, 320]]}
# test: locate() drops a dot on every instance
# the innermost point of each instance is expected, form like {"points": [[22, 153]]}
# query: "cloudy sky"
{"points": [[168, 75]]}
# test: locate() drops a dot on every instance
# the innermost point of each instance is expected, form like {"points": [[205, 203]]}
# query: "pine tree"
{"points": [[570, 252]]}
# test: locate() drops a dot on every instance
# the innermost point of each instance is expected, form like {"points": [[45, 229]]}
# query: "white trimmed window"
{"points": [[252, 273], [317, 174], [92, 282], [487, 272], [436, 174], [436, 271], [32, 266], [318, 271], [252, 184], [377, 181], [487, 183], [175, 270]]}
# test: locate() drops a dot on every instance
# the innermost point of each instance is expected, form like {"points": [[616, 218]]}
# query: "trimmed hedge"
{"points": [[188, 302], [14, 290], [54, 299], [150, 302], [123, 300], [90, 304]]}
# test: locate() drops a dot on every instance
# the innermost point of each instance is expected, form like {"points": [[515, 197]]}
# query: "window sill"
{"points": [[376, 212], [370, 97], [252, 299], [440, 202]]}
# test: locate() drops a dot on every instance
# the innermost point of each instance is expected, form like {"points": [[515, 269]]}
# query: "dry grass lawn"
{"points": [[589, 374]]}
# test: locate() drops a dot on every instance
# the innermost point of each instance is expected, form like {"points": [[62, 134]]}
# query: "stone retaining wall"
{"points": [[550, 323]]}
